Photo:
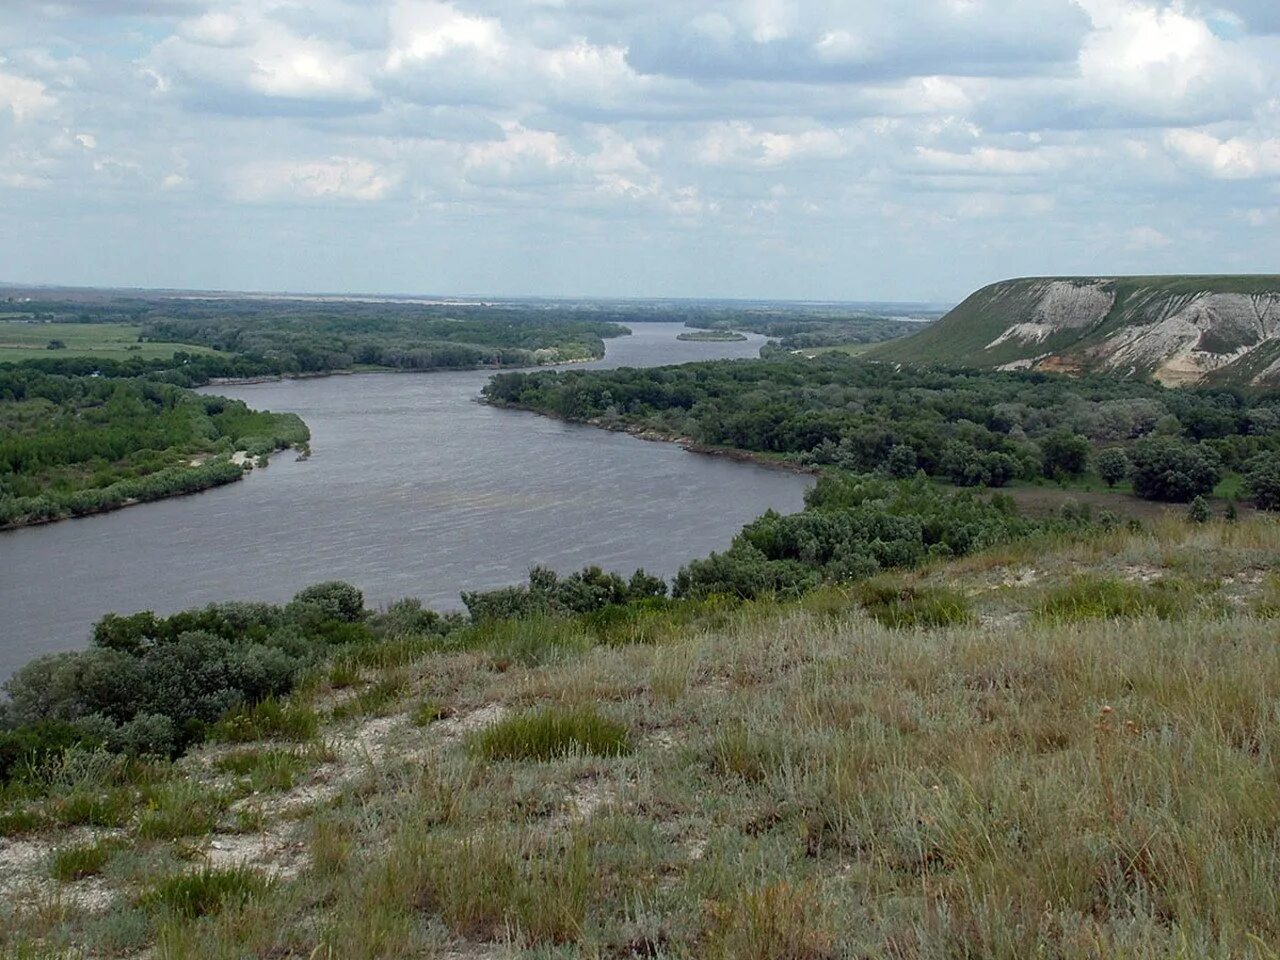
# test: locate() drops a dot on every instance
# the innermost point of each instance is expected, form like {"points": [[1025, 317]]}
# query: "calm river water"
{"points": [[413, 489]]}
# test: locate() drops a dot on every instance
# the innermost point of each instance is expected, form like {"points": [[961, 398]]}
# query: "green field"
{"points": [[21, 340]]}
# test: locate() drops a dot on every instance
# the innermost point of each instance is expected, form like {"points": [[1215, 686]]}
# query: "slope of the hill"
{"points": [[1178, 330], [1064, 747]]}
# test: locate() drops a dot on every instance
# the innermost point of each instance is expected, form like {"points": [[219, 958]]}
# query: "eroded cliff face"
{"points": [[1191, 337], [1176, 336], [1058, 306]]}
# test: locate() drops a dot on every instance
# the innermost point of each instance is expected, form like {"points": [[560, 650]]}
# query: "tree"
{"points": [[1165, 468], [902, 462], [1262, 480], [1066, 454], [1113, 465]]}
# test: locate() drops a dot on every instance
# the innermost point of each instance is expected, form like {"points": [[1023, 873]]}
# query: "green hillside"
{"points": [[996, 757], [1178, 329]]}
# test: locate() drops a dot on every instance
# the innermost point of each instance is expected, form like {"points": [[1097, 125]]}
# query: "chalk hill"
{"points": [[1178, 330]]}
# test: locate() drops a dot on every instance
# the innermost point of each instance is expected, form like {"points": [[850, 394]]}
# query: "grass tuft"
{"points": [[203, 893], [551, 733], [68, 864], [901, 606], [270, 719], [1091, 597]]}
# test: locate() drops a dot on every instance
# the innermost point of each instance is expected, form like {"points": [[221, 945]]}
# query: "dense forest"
{"points": [[970, 429], [74, 445]]}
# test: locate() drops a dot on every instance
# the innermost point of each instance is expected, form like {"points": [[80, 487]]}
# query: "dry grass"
{"points": [[802, 782]]}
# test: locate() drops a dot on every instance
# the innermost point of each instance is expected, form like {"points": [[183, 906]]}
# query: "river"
{"points": [[413, 489]]}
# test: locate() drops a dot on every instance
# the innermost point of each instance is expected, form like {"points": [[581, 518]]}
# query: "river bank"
{"points": [[766, 460], [413, 489]]}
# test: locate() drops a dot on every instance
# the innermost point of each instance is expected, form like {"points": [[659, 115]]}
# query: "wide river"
{"points": [[413, 489]]}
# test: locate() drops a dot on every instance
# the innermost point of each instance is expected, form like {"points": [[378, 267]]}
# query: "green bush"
{"points": [[1262, 480], [1169, 469], [334, 600], [551, 733], [1113, 466]]}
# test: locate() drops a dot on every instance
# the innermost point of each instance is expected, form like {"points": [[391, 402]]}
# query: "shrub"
{"points": [[551, 733], [1199, 512], [26, 749], [1172, 470], [1065, 454], [902, 462], [333, 600]]}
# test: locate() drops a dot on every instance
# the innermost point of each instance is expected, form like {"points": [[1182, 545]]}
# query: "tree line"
{"points": [[968, 428]]}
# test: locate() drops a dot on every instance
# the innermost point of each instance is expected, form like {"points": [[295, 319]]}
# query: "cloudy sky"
{"points": [[809, 149]]}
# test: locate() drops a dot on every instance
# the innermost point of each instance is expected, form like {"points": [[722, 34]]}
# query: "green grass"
{"points": [[896, 604], [849, 349], [267, 769], [553, 732], [79, 862], [1090, 597], [271, 719], [796, 780], [116, 341], [204, 892], [428, 712], [180, 808]]}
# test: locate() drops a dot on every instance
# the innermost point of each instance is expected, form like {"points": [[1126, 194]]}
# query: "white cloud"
{"points": [[739, 142], [225, 59], [428, 30], [1146, 238], [1159, 59], [23, 97], [1235, 158], [994, 136], [336, 178]]}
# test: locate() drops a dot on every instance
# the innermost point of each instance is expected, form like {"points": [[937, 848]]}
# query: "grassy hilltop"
{"points": [[1221, 329], [1065, 746]]}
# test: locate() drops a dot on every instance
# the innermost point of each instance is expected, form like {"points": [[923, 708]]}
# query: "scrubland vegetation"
{"points": [[1062, 745]]}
